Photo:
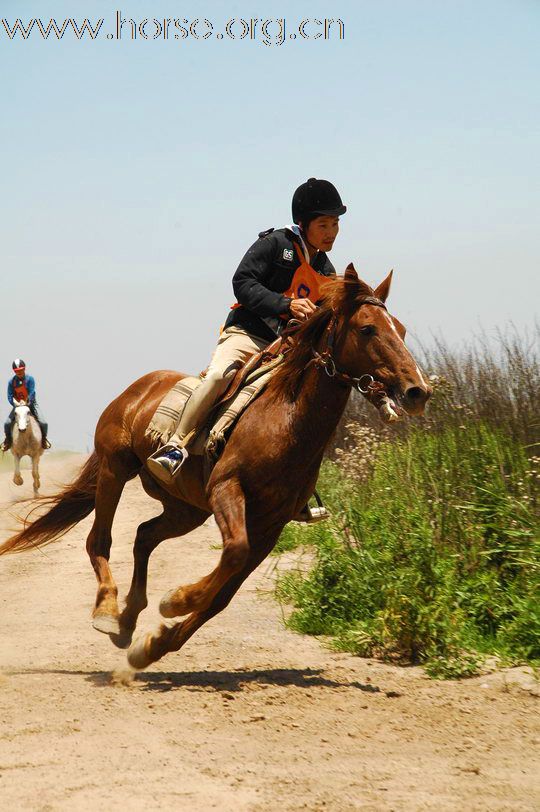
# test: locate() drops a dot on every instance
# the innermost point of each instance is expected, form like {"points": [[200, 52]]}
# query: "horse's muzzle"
{"points": [[415, 398]]}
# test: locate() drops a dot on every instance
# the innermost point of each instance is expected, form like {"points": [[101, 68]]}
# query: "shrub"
{"points": [[431, 554]]}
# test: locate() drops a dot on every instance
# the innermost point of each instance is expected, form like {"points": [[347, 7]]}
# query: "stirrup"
{"points": [[312, 515], [45, 444], [164, 467]]}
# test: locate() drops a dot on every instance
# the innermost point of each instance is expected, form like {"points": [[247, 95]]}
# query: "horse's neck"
{"points": [[320, 404], [314, 415]]}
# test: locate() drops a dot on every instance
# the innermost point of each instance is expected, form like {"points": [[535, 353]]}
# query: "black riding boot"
{"points": [[44, 429]]}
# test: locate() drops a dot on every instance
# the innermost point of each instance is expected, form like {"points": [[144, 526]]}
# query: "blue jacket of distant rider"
{"points": [[18, 387]]}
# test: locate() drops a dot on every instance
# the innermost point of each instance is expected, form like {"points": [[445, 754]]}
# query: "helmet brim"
{"points": [[321, 213], [331, 212]]}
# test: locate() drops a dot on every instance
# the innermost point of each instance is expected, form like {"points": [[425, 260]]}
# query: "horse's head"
{"points": [[370, 342], [22, 412]]}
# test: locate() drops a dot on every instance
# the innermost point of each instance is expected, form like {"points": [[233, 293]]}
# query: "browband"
{"points": [[372, 300]]}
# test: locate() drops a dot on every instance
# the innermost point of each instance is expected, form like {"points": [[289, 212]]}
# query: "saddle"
{"points": [[209, 439]]}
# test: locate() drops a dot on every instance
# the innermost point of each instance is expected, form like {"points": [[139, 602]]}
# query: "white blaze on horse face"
{"points": [[421, 376], [393, 326]]}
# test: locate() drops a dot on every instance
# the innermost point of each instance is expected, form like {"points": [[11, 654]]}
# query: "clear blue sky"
{"points": [[136, 174]]}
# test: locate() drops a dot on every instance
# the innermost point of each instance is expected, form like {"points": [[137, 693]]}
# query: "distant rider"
{"points": [[276, 280], [22, 387]]}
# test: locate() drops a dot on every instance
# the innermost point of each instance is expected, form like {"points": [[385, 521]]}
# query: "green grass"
{"points": [[432, 552]]}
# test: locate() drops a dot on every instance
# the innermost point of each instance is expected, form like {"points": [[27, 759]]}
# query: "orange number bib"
{"points": [[305, 284]]}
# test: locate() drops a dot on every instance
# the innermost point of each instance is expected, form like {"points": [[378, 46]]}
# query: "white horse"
{"points": [[26, 442]]}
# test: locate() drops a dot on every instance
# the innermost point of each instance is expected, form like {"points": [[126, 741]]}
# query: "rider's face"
{"points": [[322, 231], [20, 373]]}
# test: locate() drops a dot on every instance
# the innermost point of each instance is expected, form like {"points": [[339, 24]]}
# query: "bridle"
{"points": [[365, 384]]}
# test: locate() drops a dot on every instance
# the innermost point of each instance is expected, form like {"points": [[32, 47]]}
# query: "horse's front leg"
{"points": [[228, 504], [35, 473], [242, 553], [151, 647], [17, 478]]}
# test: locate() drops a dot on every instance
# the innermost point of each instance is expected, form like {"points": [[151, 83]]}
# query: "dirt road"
{"points": [[247, 717]]}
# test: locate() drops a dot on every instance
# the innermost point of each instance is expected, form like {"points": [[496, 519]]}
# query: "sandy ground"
{"points": [[248, 716]]}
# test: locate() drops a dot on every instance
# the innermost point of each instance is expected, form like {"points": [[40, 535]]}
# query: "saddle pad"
{"points": [[168, 413], [211, 438]]}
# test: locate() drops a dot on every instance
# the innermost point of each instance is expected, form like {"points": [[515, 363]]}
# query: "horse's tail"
{"points": [[66, 509]]}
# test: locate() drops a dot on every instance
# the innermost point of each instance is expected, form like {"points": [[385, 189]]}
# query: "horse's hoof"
{"points": [[18, 480], [122, 640], [137, 655], [108, 624], [166, 607]]}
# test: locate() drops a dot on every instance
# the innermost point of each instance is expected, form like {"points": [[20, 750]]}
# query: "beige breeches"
{"points": [[234, 345]]}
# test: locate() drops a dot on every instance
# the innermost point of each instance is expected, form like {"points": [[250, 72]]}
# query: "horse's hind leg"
{"points": [[177, 519], [228, 503], [110, 485]]}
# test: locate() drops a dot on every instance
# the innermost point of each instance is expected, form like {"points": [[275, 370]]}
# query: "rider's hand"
{"points": [[301, 308]]}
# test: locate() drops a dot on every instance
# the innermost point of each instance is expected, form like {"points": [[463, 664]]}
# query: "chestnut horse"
{"points": [[265, 475]]}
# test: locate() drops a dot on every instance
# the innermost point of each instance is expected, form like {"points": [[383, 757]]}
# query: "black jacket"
{"points": [[264, 273]]}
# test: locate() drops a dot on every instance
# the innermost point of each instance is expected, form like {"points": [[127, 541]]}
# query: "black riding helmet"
{"points": [[18, 365], [316, 198]]}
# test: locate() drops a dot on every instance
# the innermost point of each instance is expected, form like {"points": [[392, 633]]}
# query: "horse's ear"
{"points": [[350, 274], [383, 290], [354, 286]]}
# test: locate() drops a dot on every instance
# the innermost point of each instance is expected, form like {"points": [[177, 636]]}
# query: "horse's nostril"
{"points": [[415, 393]]}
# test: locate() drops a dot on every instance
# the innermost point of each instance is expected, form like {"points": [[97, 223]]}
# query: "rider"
{"points": [[22, 388], [267, 298]]}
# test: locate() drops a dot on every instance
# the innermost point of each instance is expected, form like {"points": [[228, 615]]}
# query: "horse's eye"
{"points": [[368, 330]]}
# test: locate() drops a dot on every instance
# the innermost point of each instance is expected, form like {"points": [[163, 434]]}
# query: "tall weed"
{"points": [[432, 552]]}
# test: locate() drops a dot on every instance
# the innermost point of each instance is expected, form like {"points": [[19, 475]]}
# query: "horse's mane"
{"points": [[286, 379]]}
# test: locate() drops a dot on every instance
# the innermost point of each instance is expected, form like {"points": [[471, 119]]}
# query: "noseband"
{"points": [[365, 384]]}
